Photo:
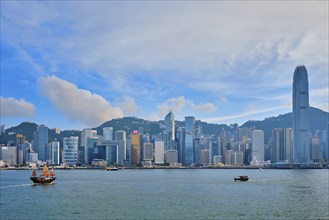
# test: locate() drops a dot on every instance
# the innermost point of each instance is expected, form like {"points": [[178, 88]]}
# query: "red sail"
{"points": [[34, 173]]}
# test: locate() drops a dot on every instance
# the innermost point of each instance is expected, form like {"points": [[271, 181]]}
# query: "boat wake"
{"points": [[18, 185]]}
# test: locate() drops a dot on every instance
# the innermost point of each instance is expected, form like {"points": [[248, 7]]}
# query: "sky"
{"points": [[78, 64]]}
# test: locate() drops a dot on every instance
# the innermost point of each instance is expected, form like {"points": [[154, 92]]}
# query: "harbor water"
{"points": [[167, 194]]}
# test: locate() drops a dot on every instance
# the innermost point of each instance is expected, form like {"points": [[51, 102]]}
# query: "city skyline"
{"points": [[75, 66]]}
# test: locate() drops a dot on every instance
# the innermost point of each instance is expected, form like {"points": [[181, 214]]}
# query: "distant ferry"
{"points": [[242, 178], [45, 177], [112, 169]]}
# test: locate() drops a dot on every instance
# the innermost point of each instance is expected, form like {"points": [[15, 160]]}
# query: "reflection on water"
{"points": [[168, 194]]}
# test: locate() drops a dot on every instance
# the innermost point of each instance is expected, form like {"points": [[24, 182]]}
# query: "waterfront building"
{"points": [[21, 149], [189, 140], [214, 148], [108, 133], [170, 132], [205, 156], [91, 143], [8, 154], [172, 156], [316, 153], [108, 150], [258, 146], [70, 150], [197, 151], [40, 142], [148, 152], [135, 148], [281, 145], [54, 152], [300, 113], [180, 140], [159, 152], [120, 138], [85, 134], [218, 159]]}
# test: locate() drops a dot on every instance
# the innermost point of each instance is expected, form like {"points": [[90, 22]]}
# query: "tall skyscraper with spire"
{"points": [[300, 112]]}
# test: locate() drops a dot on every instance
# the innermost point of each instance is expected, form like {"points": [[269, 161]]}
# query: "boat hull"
{"points": [[42, 180]]}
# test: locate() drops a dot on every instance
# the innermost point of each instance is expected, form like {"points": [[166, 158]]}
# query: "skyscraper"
{"points": [[135, 148], [189, 140], [120, 138], [40, 142], [85, 134], [170, 131], [70, 150], [258, 146], [300, 116]]}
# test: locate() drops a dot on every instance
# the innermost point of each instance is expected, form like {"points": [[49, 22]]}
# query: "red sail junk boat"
{"points": [[45, 177]]}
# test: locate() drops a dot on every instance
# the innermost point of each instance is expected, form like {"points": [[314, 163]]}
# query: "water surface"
{"points": [[167, 194]]}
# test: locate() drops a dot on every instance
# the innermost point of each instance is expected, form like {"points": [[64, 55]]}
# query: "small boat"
{"points": [[242, 178], [45, 177], [260, 169], [112, 169]]}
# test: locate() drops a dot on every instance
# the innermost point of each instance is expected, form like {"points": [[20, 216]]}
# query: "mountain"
{"points": [[318, 121]]}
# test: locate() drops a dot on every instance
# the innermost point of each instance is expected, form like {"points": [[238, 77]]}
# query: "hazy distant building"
{"points": [[159, 152], [258, 146], [189, 140], [70, 150], [300, 112], [108, 133], [85, 134], [9, 155], [316, 153], [40, 142]]}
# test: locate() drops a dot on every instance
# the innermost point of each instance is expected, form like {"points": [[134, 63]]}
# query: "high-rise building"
{"points": [[70, 150], [40, 142], [135, 148], [120, 138], [170, 131], [54, 152], [189, 140], [300, 116], [159, 152], [258, 146], [85, 134], [281, 145], [21, 149], [180, 140], [316, 153], [148, 152], [108, 133]]}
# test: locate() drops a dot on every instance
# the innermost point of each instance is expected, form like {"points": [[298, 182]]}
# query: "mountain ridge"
{"points": [[319, 120]]}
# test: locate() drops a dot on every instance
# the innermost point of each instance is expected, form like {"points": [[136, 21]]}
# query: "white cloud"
{"points": [[11, 107], [181, 104], [128, 105], [77, 104]]}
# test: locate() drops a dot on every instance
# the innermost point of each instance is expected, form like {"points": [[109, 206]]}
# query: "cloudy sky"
{"points": [[77, 64]]}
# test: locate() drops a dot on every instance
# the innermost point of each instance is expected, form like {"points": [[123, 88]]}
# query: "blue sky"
{"points": [[77, 64]]}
